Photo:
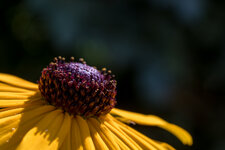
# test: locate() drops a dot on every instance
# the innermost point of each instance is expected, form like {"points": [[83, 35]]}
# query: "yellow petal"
{"points": [[11, 119], [11, 112], [44, 133], [167, 146], [20, 96], [8, 129], [67, 142], [105, 134], [121, 144], [85, 134], [14, 139], [27, 115], [6, 112], [5, 139], [137, 136], [62, 133], [152, 120], [14, 96], [76, 143], [8, 88], [98, 141], [142, 143], [139, 118], [123, 136], [12, 103], [12, 122], [35, 102], [22, 102], [16, 81], [8, 120]]}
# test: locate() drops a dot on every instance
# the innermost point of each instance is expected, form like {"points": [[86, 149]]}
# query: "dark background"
{"points": [[168, 55]]}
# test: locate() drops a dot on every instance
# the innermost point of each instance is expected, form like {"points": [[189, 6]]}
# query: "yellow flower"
{"points": [[43, 117]]}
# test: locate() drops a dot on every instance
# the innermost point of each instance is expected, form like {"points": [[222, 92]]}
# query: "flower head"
{"points": [[77, 88], [72, 107]]}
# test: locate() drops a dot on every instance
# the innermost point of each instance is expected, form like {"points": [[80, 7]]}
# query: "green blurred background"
{"points": [[168, 55]]}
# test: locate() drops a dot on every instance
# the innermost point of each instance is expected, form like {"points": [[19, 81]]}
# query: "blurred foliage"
{"points": [[168, 56]]}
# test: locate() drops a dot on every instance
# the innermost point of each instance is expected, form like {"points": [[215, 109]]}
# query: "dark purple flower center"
{"points": [[77, 88]]}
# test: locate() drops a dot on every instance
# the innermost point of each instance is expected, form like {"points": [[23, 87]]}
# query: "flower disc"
{"points": [[77, 88]]}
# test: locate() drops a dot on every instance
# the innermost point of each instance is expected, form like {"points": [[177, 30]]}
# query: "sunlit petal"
{"points": [[16, 81], [105, 133], [44, 133], [152, 120], [76, 142], [85, 134], [98, 141]]}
